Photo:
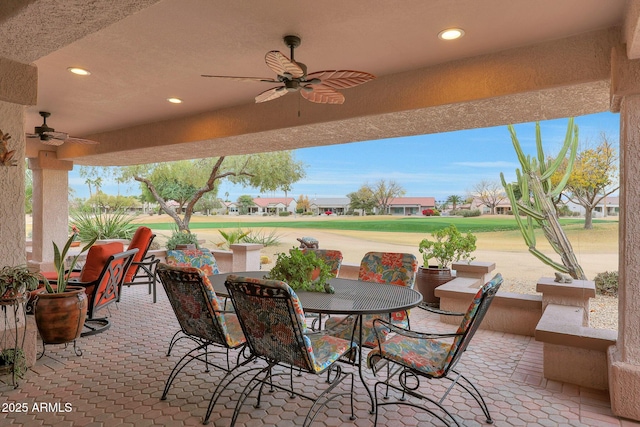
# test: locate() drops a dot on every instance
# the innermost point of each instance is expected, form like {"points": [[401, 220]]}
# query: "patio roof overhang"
{"points": [[534, 61]]}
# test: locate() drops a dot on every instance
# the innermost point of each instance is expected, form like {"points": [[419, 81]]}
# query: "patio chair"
{"points": [[201, 319], [102, 277], [274, 325], [415, 355], [201, 259], [143, 267], [388, 268], [333, 258]]}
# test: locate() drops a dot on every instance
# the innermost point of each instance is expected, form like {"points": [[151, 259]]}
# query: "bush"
{"points": [[270, 239], [182, 238], [117, 225], [285, 213], [607, 283], [466, 213]]}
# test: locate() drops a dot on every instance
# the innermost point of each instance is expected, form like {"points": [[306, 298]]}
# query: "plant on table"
{"points": [[303, 271], [447, 246], [16, 280]]}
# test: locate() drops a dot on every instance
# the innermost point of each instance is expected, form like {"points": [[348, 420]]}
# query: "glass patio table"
{"points": [[351, 297]]}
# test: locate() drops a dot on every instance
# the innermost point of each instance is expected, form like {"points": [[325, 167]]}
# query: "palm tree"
{"points": [[454, 200]]}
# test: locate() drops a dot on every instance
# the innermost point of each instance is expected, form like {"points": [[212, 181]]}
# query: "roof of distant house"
{"points": [[264, 202], [413, 201]]}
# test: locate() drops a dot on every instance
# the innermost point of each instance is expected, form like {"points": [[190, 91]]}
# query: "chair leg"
{"points": [[95, 326], [472, 390]]}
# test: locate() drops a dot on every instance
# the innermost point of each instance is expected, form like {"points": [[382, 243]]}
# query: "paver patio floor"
{"points": [[120, 377]]}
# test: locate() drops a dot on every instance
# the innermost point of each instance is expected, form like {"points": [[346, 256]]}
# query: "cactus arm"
{"points": [[545, 259], [569, 141], [516, 146]]}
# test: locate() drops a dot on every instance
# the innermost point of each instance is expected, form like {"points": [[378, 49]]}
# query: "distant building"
{"points": [[411, 205], [335, 205], [272, 205], [609, 206]]}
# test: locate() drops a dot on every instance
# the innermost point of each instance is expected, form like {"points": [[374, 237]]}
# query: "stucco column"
{"points": [[624, 357], [50, 206]]}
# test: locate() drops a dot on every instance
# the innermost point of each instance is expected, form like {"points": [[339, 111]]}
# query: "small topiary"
{"points": [[607, 283]]}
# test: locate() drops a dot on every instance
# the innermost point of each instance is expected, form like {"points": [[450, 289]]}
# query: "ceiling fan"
{"points": [[319, 87], [49, 136]]}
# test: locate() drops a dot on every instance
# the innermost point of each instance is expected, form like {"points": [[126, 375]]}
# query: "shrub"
{"points": [[182, 238], [285, 213], [270, 239], [231, 238], [427, 212], [607, 283], [117, 225], [466, 213]]}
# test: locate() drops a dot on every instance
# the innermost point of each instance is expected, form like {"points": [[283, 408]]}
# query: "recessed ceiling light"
{"points": [[79, 71], [451, 33], [175, 100]]}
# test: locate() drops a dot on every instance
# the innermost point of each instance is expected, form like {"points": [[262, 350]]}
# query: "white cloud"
{"points": [[496, 164]]}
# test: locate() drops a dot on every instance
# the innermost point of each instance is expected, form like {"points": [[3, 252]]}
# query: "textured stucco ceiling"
{"points": [[515, 59]]}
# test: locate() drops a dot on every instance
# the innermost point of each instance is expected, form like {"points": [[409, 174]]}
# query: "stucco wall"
{"points": [[12, 224]]}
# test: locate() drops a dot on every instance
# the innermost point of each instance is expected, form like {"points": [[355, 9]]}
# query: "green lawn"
{"points": [[389, 224]]}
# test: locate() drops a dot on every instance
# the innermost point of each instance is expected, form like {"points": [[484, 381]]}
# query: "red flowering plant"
{"points": [[428, 212]]}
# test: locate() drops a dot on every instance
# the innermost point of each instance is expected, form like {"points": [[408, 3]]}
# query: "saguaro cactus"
{"points": [[536, 193]]}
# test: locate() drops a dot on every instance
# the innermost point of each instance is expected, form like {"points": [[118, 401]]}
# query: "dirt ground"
{"points": [[596, 250]]}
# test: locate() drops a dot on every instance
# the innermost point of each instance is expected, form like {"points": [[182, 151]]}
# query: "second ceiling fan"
{"points": [[320, 87]]}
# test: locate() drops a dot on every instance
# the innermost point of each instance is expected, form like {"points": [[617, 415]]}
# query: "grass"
{"points": [[385, 224]]}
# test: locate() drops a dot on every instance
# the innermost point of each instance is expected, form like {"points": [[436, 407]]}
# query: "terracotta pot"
{"points": [[60, 317], [186, 247], [428, 279]]}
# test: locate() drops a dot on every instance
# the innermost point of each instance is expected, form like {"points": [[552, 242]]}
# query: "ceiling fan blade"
{"points": [[52, 141], [341, 79], [270, 94], [63, 136], [32, 135], [323, 95], [81, 141], [282, 65], [244, 79]]}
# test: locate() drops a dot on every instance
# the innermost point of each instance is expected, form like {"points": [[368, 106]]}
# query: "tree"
{"points": [[362, 199], [384, 192], [192, 179], [593, 178], [303, 204], [490, 193], [455, 200], [28, 189], [244, 203]]}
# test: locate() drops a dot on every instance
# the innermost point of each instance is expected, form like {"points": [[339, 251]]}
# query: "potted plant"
{"points": [[13, 360], [60, 310], [445, 247], [182, 240], [16, 281], [302, 271]]}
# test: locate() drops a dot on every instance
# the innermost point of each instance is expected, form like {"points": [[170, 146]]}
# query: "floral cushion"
{"points": [[199, 258], [434, 356], [386, 268], [195, 311], [331, 257], [275, 324]]}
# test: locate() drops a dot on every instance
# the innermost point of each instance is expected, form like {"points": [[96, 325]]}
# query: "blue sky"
{"points": [[436, 165]]}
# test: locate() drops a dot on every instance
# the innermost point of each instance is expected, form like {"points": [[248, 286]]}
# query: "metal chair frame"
{"points": [[283, 297], [146, 271], [104, 291], [408, 378], [181, 281]]}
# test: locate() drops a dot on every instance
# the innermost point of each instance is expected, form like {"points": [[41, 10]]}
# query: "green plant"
{"points": [[607, 283], [448, 245], [15, 360], [182, 238], [303, 271], [58, 261], [533, 195], [265, 240], [16, 280], [116, 225], [232, 237]]}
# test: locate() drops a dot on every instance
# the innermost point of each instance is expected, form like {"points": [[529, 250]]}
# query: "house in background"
{"points": [[335, 205], [411, 205], [609, 206], [272, 205]]}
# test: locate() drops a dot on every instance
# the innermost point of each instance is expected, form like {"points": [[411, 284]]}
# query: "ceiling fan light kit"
{"points": [[320, 87]]}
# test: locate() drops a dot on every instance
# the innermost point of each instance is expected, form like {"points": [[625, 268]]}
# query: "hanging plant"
{"points": [[6, 155]]}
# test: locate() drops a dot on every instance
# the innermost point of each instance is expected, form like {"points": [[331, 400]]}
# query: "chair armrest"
{"points": [[438, 311], [329, 331], [409, 333]]}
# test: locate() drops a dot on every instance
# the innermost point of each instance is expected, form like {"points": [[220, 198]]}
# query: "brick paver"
{"points": [[120, 377]]}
